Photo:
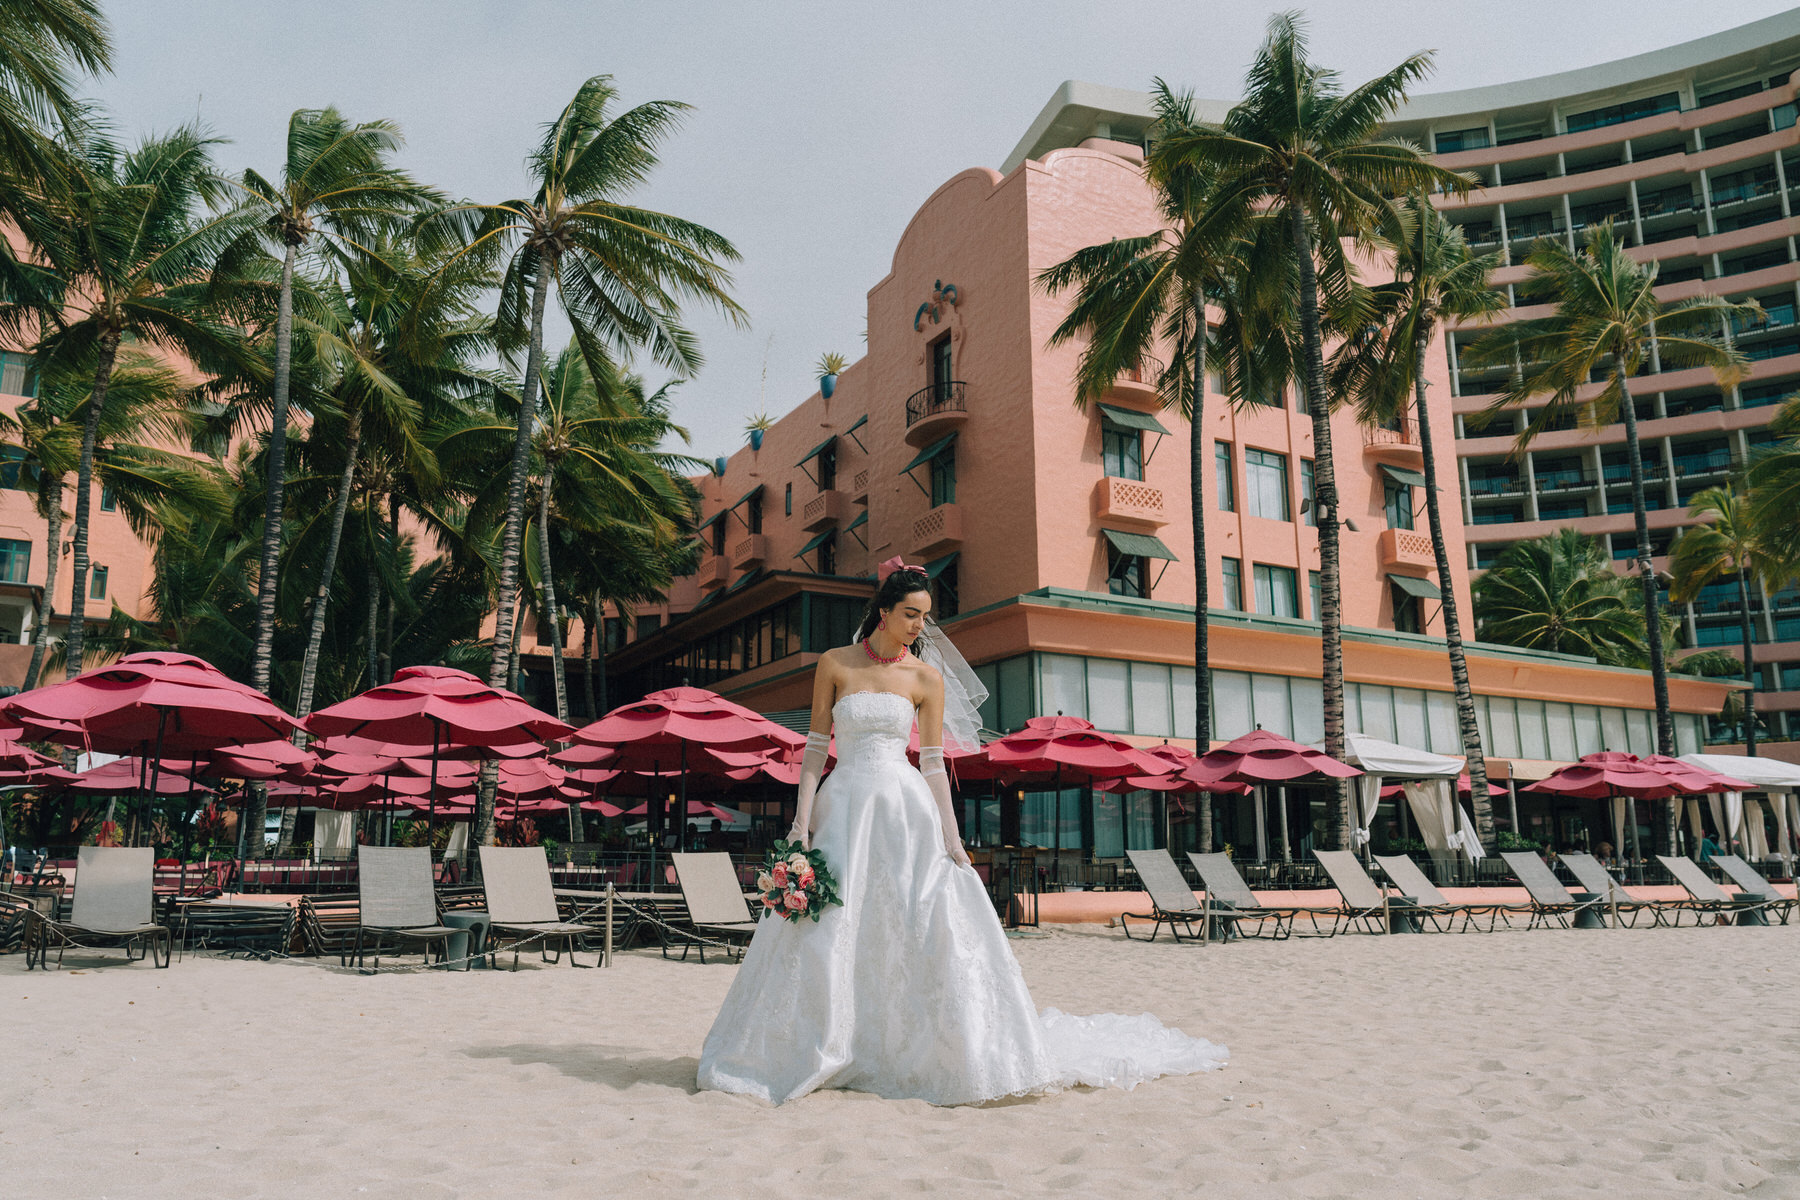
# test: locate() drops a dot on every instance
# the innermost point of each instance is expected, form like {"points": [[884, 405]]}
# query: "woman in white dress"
{"points": [[908, 989]]}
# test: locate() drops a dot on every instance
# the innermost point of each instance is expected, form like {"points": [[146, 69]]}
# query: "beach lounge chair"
{"points": [[1751, 883], [716, 908], [1550, 900], [112, 906], [1432, 906], [1709, 897], [1624, 906], [396, 902], [1366, 905], [1224, 886], [1172, 901], [521, 905]]}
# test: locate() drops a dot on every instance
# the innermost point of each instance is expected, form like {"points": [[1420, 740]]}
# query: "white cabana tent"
{"points": [[1429, 783], [1780, 782]]}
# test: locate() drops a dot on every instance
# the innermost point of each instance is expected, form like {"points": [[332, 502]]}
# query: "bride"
{"points": [[909, 989]]}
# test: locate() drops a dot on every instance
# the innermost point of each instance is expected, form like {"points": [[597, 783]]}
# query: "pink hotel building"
{"points": [[1059, 540]]}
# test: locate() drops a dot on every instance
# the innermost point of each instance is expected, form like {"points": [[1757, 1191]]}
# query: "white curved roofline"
{"points": [[1080, 102]]}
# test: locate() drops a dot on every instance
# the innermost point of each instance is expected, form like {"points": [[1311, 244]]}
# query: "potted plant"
{"points": [[757, 427], [829, 366]]}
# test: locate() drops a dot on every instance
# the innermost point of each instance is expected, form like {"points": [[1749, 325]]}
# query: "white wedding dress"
{"points": [[909, 989]]}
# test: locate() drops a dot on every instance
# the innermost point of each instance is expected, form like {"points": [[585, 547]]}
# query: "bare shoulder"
{"points": [[838, 657], [927, 675]]}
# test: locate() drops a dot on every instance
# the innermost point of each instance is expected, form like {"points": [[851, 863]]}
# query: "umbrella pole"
{"points": [[1262, 826], [431, 811], [1056, 825], [1287, 840], [154, 768]]}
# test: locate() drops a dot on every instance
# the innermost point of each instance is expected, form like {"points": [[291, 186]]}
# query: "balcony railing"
{"points": [[936, 398], [1402, 431]]}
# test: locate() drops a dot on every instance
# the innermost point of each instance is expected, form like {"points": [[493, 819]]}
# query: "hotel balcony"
{"points": [[938, 531], [826, 508], [1136, 386], [713, 573], [935, 410], [859, 487], [1406, 552], [1118, 499], [1397, 447], [750, 551]]}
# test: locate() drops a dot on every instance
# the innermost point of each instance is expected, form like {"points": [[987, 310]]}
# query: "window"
{"points": [[1275, 591], [827, 460], [16, 376], [718, 534], [1126, 574], [1265, 480], [828, 556], [753, 513], [945, 603], [1307, 493], [1398, 498], [943, 477], [1122, 451], [647, 624], [1222, 468], [12, 459], [1231, 570], [109, 502], [1312, 585], [1461, 139], [941, 373], [787, 501], [15, 561], [1406, 610], [612, 634], [97, 583], [1616, 114]]}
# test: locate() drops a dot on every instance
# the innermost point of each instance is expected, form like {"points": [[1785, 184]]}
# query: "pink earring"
{"points": [[882, 624]]}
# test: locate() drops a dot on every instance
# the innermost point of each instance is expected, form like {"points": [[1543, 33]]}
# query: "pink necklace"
{"points": [[870, 651]]}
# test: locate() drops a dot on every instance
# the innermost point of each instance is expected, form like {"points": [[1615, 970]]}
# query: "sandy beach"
{"points": [[1628, 1063]]}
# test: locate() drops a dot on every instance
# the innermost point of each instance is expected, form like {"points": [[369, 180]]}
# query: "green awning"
{"points": [[748, 496], [706, 600], [1140, 545], [818, 450], [936, 566], [1125, 418], [1424, 589], [862, 518], [743, 582], [817, 541], [1403, 476], [710, 520], [930, 452], [860, 422]]}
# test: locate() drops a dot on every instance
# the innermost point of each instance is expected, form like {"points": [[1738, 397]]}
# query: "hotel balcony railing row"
{"points": [[936, 398], [1403, 431]]}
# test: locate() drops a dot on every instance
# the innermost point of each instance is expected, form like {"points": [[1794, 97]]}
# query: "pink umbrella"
{"points": [[1263, 757], [1611, 773], [127, 775], [1185, 777], [1697, 780], [264, 760]]}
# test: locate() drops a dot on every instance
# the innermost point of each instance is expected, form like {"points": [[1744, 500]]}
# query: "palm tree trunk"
{"points": [[515, 520], [600, 697], [315, 637], [1653, 636], [262, 666], [1331, 618], [1453, 640], [388, 600], [587, 663], [108, 353], [548, 590], [372, 621], [40, 637], [512, 665], [1749, 662], [1197, 464]]}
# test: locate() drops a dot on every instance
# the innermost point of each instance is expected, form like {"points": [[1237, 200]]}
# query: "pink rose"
{"points": [[806, 877], [796, 901], [780, 875], [772, 900]]}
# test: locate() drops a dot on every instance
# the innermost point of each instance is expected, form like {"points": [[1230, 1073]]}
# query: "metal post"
{"points": [[1287, 841], [606, 956], [1262, 824]]}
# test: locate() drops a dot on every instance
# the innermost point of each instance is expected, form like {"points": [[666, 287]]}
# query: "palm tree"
{"points": [[337, 182], [1728, 544], [42, 44], [1773, 478], [156, 491], [620, 272], [121, 235], [1436, 278], [1608, 322], [1311, 156], [1560, 594]]}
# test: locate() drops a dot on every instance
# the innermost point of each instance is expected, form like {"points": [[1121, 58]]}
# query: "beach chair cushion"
{"points": [[517, 880], [394, 887], [112, 889], [1411, 881], [710, 888], [1352, 882]]}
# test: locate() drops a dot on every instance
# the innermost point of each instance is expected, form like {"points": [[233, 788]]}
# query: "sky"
{"points": [[818, 127]]}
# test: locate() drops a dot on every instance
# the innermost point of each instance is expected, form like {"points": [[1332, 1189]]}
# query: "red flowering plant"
{"points": [[795, 882]]}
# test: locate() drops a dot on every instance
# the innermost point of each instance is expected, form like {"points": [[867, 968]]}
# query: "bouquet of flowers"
{"points": [[795, 882]]}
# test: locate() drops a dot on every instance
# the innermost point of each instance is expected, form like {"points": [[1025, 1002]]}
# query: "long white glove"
{"points": [[931, 765], [812, 769]]}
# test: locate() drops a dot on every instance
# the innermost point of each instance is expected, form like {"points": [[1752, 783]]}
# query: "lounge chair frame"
{"points": [[396, 903], [112, 906], [1624, 907], [1172, 901], [1709, 897], [1550, 900], [716, 908], [1225, 887], [1751, 883], [1366, 905], [1421, 899]]}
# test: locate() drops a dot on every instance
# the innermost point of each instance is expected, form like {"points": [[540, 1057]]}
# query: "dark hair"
{"points": [[893, 590]]}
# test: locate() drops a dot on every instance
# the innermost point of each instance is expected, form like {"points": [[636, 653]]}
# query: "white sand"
{"points": [[1629, 1063]]}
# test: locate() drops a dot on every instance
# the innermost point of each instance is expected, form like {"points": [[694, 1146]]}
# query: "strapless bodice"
{"points": [[871, 727]]}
